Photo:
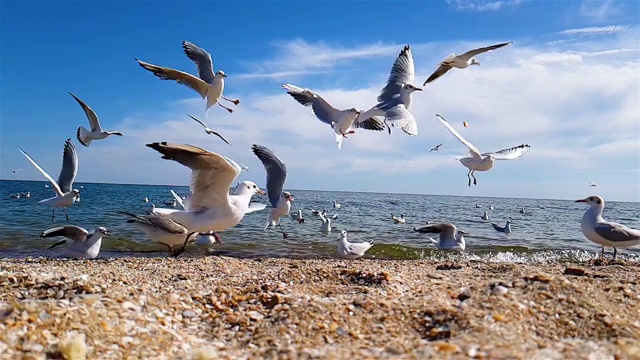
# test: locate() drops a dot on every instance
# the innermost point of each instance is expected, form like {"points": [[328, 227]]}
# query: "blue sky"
{"points": [[569, 86]]}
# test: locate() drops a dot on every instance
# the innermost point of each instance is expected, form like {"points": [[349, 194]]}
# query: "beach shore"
{"points": [[227, 308]]}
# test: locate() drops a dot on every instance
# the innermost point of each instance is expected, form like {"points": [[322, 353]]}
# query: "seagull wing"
{"points": [[256, 206], [202, 59], [164, 73], [358, 248], [69, 167], [400, 116], [471, 53], [472, 149], [213, 132], [510, 153], [54, 185], [70, 232], [371, 123], [91, 115], [441, 70], [198, 121], [178, 199], [402, 72], [276, 172], [321, 108], [615, 232]]}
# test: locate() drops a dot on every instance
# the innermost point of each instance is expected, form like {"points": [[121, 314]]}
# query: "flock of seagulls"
{"points": [[211, 207]]}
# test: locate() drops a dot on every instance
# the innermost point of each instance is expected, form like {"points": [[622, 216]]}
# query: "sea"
{"points": [[548, 231]]}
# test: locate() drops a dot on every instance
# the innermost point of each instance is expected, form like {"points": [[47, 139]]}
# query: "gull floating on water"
{"points": [[351, 250], [26, 195], [485, 216], [461, 61], [336, 205], [85, 245], [603, 232], [506, 229], [146, 199], [436, 148], [276, 176], [483, 161], [398, 220], [65, 195], [450, 237], [343, 122], [298, 217], [85, 136], [159, 228], [522, 211], [15, 196], [325, 228], [395, 98], [209, 131], [207, 84]]}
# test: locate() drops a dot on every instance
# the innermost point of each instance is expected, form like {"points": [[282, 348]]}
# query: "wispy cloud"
{"points": [[598, 10], [595, 30], [482, 5]]}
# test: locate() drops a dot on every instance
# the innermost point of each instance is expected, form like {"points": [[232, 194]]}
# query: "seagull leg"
{"points": [[218, 239], [602, 253], [236, 102], [66, 213], [284, 234], [388, 127], [168, 247], [53, 213], [177, 252], [615, 252], [475, 182], [229, 110], [469, 177]]}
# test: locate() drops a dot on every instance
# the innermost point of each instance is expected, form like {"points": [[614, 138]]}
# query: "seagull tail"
{"points": [[339, 140], [83, 136]]}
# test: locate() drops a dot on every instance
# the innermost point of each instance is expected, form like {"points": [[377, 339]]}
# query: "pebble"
{"points": [[499, 290], [188, 314]]}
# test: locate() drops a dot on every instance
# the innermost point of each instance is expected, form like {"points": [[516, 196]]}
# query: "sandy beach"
{"points": [[228, 308]]}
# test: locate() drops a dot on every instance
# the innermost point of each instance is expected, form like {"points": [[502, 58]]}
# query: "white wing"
{"points": [[178, 198], [472, 149], [54, 184], [510, 153], [256, 206]]}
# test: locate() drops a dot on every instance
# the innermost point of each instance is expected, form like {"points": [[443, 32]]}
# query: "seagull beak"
{"points": [[106, 233], [418, 89], [262, 192], [291, 198], [582, 200]]}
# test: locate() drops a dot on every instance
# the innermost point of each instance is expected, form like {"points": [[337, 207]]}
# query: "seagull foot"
{"points": [[285, 235], [230, 110], [236, 102]]}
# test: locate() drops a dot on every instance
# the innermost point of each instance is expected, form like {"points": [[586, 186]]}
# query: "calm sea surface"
{"points": [[548, 231]]}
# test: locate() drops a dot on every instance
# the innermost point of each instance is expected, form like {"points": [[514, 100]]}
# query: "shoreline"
{"points": [[224, 307]]}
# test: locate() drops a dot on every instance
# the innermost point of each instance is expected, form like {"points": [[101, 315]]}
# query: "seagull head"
{"points": [[102, 230], [343, 234], [221, 73], [249, 187], [355, 111], [593, 201], [287, 195], [411, 88], [76, 192], [474, 61]]}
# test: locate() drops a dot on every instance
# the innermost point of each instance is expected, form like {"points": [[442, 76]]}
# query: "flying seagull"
{"points": [[244, 167], [343, 122], [207, 84], [159, 228], [85, 136], [85, 245], [483, 161], [436, 148], [15, 171], [462, 61], [65, 195], [395, 98], [450, 237], [603, 232], [592, 184], [276, 176], [209, 131], [351, 250]]}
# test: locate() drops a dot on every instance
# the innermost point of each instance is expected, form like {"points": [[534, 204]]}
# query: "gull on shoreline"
{"points": [[85, 245], [349, 250], [162, 230], [450, 237]]}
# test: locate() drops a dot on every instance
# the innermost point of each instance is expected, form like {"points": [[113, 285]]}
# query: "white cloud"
{"points": [[482, 5], [598, 10], [596, 30]]}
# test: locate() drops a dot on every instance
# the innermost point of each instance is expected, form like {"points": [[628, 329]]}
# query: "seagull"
{"points": [[15, 171], [450, 237], [351, 250], [485, 216], [603, 232], [298, 217], [244, 167], [592, 184], [15, 196], [436, 148], [209, 131], [161, 229], [65, 195], [85, 245], [276, 176], [326, 222], [208, 239], [146, 199], [207, 84], [506, 229], [26, 195], [177, 200], [395, 98], [491, 207], [462, 61], [522, 211], [85, 136], [483, 161], [398, 220], [343, 122], [210, 207], [336, 205]]}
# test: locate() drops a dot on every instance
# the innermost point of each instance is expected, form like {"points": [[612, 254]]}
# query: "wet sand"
{"points": [[226, 308]]}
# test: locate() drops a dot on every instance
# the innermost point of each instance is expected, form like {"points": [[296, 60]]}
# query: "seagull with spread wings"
{"points": [[209, 85], [65, 195], [450, 238], [483, 161], [436, 148], [85, 136], [85, 245], [209, 131], [162, 230]]}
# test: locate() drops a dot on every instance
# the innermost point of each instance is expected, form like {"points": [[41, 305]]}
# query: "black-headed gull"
{"points": [[65, 195], [450, 237], [85, 136], [603, 232], [85, 245], [483, 161], [276, 176], [395, 98], [343, 122], [26, 195], [336, 205], [398, 219], [461, 61], [326, 228], [162, 230], [485, 216], [244, 167], [503, 229], [349, 250], [208, 84], [210, 206], [298, 217], [436, 148], [209, 131]]}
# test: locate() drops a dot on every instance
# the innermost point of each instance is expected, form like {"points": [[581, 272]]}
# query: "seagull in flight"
{"points": [[15, 171], [483, 161], [436, 148], [65, 195], [462, 61], [244, 167], [450, 237], [85, 136], [276, 176], [85, 245], [343, 122], [209, 131], [592, 184], [395, 98], [209, 85], [162, 230]]}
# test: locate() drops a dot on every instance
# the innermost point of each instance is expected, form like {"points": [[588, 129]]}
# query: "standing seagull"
{"points": [[65, 195], [276, 176], [450, 237], [85, 136], [350, 250], [208, 85], [85, 245], [159, 228], [603, 232], [343, 122], [395, 98], [483, 161], [209, 131], [462, 61], [436, 148]]}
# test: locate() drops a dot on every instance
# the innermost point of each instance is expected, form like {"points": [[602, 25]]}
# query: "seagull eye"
{"points": [[591, 199], [254, 186]]}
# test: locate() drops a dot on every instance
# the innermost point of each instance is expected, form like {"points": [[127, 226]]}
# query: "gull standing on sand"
{"points": [[483, 161], [85, 136], [349, 250], [506, 229], [603, 232], [395, 98], [210, 208], [209, 131], [85, 245], [343, 122], [65, 195], [208, 84], [462, 61], [162, 230], [450, 237], [276, 176]]}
